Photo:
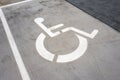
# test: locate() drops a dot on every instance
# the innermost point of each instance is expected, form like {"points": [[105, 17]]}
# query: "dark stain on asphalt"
{"points": [[5, 59]]}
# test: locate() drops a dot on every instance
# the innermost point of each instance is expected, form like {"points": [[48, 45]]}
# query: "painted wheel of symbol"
{"points": [[43, 52]]}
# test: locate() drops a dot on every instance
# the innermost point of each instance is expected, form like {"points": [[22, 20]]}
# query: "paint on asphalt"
{"points": [[8, 66], [101, 60]]}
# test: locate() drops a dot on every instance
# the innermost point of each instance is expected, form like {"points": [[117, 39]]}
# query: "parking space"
{"points": [[100, 60]]}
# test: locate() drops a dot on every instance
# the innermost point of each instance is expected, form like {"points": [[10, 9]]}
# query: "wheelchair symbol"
{"points": [[82, 47]]}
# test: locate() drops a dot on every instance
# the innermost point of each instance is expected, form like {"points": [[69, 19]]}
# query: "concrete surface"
{"points": [[100, 61]]}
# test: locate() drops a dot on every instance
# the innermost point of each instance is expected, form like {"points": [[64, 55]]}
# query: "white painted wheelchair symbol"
{"points": [[82, 47]]}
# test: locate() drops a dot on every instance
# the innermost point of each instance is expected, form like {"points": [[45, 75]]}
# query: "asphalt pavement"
{"points": [[99, 60], [6, 2]]}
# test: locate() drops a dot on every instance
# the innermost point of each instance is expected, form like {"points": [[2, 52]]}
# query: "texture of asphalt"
{"points": [[100, 61], [6, 2], [8, 67], [107, 11]]}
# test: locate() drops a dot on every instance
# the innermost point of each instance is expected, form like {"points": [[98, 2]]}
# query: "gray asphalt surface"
{"points": [[100, 61], [6, 2], [8, 67]]}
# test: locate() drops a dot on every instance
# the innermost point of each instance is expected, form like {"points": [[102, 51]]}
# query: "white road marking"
{"points": [[56, 27], [61, 58], [16, 53], [92, 35], [48, 31], [82, 47], [15, 3], [42, 50]]}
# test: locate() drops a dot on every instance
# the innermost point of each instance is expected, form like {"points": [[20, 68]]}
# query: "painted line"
{"points": [[42, 50], [16, 53], [15, 3], [92, 35], [83, 43], [39, 21], [56, 27]]}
